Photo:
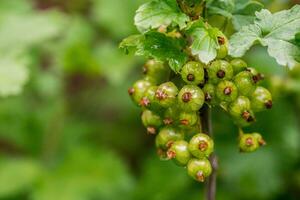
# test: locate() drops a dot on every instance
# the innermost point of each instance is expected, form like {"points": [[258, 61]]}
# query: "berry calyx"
{"points": [[190, 98], [201, 145], [179, 152], [188, 118], [199, 168], [193, 73]]}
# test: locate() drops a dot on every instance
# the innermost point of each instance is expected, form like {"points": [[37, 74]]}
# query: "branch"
{"points": [[211, 184]]}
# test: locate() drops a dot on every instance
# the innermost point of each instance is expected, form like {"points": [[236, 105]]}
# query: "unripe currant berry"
{"points": [[156, 71], [193, 73], [188, 118], [219, 70], [261, 99], [245, 83], [238, 65], [167, 136], [226, 91], [199, 169], [171, 115], [201, 145], [166, 94], [151, 121], [148, 101], [191, 98], [209, 91], [138, 90], [256, 76], [179, 152], [222, 52], [239, 106], [248, 143]]}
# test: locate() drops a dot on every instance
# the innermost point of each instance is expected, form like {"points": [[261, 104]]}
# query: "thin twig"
{"points": [[211, 183]]}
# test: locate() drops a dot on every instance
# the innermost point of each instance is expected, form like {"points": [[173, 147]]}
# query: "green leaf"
{"points": [[276, 31], [204, 43], [13, 75], [164, 48], [17, 175], [159, 13], [297, 39], [159, 46], [241, 12]]}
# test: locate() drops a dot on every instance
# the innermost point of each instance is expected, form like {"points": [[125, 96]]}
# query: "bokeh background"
{"points": [[68, 130]]}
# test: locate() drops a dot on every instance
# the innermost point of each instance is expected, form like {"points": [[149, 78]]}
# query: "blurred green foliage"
{"points": [[72, 133]]}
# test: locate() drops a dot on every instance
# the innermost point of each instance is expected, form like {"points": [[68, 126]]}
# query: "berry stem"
{"points": [[206, 123]]}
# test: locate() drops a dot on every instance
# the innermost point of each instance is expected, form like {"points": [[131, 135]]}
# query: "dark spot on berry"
{"points": [[227, 91], [221, 40], [249, 141], [202, 146], [247, 116], [184, 122], [168, 121], [269, 104], [190, 77], [221, 74], [169, 144], [171, 154], [199, 176], [151, 130], [160, 152], [145, 70], [208, 97], [160, 95], [144, 102], [262, 142], [186, 97], [130, 91]]}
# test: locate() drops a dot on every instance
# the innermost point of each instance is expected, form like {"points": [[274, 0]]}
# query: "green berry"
{"points": [[151, 121], [167, 136], [156, 71], [226, 91], [238, 65], [191, 98], [166, 94], [171, 115], [219, 70], [261, 99], [188, 118], [239, 106], [248, 143], [209, 91], [138, 90], [148, 101], [201, 145], [199, 169], [179, 152], [240, 110], [193, 73], [222, 52], [245, 83]]}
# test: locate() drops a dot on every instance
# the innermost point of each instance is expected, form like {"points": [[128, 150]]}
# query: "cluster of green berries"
{"points": [[171, 104]]}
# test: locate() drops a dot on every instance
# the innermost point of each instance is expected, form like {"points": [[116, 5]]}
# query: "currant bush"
{"points": [[181, 80]]}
